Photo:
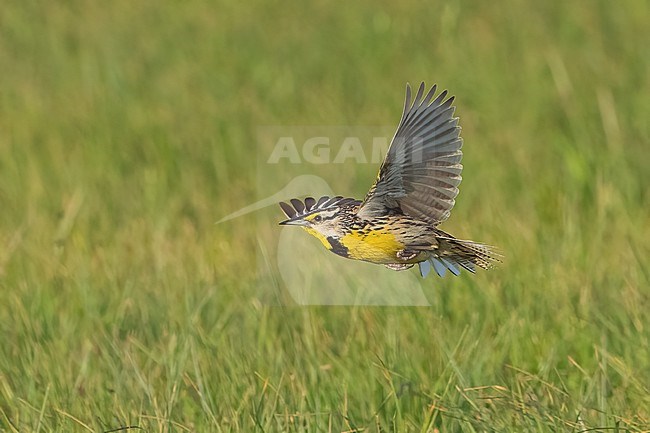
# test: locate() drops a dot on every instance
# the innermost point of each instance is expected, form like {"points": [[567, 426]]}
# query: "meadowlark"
{"points": [[396, 225]]}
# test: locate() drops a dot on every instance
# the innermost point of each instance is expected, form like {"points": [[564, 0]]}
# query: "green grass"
{"points": [[128, 128]]}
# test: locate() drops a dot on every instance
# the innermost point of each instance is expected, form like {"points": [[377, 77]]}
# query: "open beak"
{"points": [[294, 222]]}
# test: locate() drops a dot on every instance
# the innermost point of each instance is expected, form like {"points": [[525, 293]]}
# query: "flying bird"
{"points": [[396, 224]]}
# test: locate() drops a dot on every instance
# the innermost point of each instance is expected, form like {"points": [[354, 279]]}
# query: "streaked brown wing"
{"points": [[421, 172]]}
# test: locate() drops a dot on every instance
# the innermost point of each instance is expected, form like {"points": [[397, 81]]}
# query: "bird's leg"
{"points": [[404, 255]]}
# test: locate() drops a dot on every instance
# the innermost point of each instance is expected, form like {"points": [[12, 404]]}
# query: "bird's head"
{"points": [[318, 217]]}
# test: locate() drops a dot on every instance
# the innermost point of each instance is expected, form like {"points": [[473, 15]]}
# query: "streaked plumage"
{"points": [[396, 224]]}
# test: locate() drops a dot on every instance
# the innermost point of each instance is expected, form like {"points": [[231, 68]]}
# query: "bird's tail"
{"points": [[453, 254]]}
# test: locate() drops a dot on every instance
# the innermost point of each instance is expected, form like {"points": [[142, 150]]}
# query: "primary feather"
{"points": [[421, 172]]}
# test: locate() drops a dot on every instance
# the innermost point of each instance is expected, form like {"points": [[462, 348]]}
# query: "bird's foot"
{"points": [[407, 254], [399, 266]]}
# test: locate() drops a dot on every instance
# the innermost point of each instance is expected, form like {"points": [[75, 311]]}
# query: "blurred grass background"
{"points": [[128, 128]]}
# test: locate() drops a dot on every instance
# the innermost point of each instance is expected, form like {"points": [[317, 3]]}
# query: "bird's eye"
{"points": [[318, 218]]}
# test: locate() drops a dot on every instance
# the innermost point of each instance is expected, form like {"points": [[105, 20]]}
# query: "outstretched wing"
{"points": [[421, 172]]}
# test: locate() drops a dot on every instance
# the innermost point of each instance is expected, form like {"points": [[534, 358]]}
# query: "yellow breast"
{"points": [[373, 246]]}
